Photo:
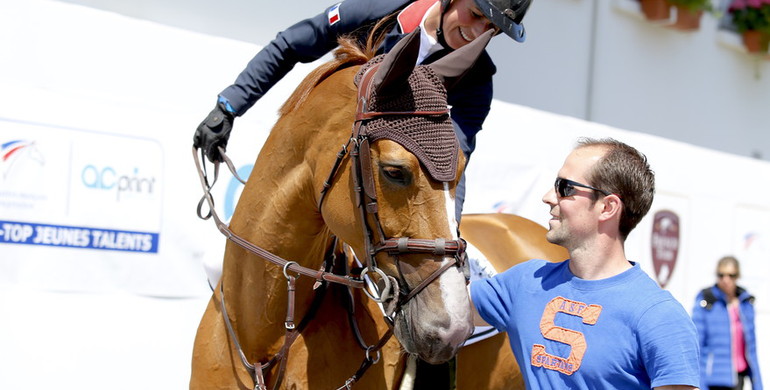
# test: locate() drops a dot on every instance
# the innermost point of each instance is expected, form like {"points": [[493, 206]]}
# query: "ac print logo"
{"points": [[13, 151], [665, 245]]}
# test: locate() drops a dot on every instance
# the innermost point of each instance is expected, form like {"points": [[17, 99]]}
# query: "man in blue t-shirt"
{"points": [[596, 320]]}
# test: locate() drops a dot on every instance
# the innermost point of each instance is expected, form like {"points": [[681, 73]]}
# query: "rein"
{"points": [[319, 275], [367, 205], [322, 276]]}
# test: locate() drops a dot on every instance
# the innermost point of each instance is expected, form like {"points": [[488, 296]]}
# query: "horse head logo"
{"points": [[18, 151]]}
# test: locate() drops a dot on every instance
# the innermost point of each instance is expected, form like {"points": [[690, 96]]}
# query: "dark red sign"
{"points": [[665, 245]]}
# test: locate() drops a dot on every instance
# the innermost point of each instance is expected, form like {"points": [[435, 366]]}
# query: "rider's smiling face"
{"points": [[463, 22]]}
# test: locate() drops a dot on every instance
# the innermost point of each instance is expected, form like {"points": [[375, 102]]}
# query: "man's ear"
{"points": [[612, 207]]}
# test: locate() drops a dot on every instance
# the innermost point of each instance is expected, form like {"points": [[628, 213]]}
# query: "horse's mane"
{"points": [[350, 52]]}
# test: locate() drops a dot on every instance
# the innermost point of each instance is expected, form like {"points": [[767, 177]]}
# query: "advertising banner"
{"points": [[78, 189]]}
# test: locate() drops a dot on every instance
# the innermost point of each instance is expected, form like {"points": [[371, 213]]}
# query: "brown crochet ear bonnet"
{"points": [[431, 138]]}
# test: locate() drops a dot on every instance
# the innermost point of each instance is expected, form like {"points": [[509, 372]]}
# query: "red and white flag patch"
{"points": [[334, 14]]}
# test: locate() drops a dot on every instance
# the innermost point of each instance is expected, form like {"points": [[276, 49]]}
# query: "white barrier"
{"points": [[101, 254]]}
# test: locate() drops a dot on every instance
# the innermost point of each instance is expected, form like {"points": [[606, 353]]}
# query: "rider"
{"points": [[446, 25]]}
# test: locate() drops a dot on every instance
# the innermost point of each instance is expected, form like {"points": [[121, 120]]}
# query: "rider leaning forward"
{"points": [[446, 25]]}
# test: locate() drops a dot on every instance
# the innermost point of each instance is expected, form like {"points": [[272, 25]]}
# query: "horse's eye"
{"points": [[396, 175]]}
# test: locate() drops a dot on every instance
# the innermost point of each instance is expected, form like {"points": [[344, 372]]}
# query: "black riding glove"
{"points": [[214, 131]]}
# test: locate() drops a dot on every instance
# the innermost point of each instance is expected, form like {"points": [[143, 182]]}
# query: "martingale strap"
{"points": [[292, 331]]}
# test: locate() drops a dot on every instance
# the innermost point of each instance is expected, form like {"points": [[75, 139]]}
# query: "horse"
{"points": [[390, 198], [290, 209]]}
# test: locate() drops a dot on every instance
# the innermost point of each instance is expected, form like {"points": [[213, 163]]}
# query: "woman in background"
{"points": [[724, 317]]}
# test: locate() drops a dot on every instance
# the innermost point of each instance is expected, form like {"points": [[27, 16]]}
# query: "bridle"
{"points": [[398, 292], [366, 203]]}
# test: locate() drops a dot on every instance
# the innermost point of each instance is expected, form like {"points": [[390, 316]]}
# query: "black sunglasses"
{"points": [[731, 276], [565, 187]]}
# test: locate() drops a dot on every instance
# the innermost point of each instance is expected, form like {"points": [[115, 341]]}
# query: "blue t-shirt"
{"points": [[622, 332]]}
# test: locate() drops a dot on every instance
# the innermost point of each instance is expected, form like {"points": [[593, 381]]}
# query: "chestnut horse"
{"points": [[390, 198], [392, 203]]}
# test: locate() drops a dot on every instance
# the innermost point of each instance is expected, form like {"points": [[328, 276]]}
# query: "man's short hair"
{"points": [[623, 171]]}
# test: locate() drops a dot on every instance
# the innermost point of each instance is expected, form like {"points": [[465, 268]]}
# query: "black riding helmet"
{"points": [[505, 14]]}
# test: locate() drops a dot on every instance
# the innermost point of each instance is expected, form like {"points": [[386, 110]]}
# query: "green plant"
{"points": [[695, 5], [751, 15]]}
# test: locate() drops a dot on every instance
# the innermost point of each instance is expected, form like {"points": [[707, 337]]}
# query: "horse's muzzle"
{"points": [[436, 335]]}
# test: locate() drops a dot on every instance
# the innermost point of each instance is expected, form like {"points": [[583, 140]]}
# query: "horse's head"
{"points": [[406, 165]]}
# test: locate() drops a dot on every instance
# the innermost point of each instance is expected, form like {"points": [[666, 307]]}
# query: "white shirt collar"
{"points": [[428, 44]]}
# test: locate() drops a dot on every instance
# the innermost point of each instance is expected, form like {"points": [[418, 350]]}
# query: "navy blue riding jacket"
{"points": [[311, 38]]}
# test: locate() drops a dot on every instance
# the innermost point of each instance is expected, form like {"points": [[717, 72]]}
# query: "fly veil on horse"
{"points": [[390, 198]]}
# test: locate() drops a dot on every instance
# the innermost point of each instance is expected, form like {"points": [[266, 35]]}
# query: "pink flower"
{"points": [[741, 4], [737, 4]]}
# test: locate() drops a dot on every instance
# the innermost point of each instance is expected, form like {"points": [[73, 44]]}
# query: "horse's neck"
{"points": [[278, 207], [274, 213], [278, 212]]}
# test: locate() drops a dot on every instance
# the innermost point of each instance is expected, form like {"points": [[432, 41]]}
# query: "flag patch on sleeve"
{"points": [[334, 14]]}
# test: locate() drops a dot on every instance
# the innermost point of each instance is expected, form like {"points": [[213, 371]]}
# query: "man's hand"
{"points": [[214, 131]]}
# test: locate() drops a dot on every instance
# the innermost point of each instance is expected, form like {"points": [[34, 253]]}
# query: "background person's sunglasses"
{"points": [[565, 187]]}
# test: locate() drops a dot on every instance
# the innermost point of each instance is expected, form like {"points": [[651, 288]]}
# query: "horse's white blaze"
{"points": [[452, 283], [456, 303], [450, 211]]}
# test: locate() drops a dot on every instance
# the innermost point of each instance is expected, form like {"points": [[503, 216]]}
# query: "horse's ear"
{"points": [[398, 63], [454, 65]]}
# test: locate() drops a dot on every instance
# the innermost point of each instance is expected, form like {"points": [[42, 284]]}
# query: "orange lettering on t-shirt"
{"points": [[576, 340]]}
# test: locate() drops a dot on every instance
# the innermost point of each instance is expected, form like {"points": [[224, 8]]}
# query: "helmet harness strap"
{"points": [[440, 30]]}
